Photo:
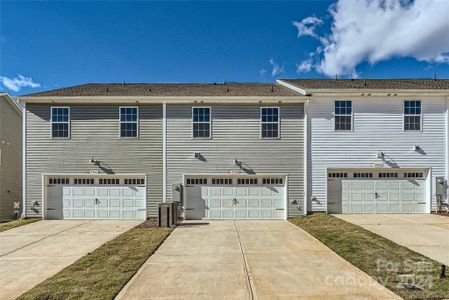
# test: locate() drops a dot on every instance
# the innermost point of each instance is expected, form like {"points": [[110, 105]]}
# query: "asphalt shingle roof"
{"points": [[399, 84], [170, 89]]}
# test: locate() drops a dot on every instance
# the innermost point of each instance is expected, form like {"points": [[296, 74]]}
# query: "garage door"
{"points": [[95, 198], [235, 198], [377, 192]]}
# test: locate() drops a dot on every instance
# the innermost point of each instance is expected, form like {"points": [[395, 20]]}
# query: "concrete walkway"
{"points": [[424, 233], [31, 253], [248, 260]]}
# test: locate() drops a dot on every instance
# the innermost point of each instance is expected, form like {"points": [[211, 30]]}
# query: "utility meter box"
{"points": [[177, 192]]}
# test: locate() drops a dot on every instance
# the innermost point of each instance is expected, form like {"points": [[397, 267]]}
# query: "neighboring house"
{"points": [[10, 157], [118, 150], [376, 146]]}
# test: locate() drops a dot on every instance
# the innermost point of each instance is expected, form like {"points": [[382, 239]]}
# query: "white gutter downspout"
{"points": [[164, 152], [24, 168], [447, 147], [306, 157]]}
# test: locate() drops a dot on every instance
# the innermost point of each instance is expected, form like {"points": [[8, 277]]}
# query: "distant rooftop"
{"points": [[387, 84], [170, 89]]}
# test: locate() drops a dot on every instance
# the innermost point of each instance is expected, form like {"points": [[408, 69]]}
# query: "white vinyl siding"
{"points": [[378, 124]]}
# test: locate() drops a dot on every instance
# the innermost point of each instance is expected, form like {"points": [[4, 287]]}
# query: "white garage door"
{"points": [[377, 192], [235, 198], [96, 198]]}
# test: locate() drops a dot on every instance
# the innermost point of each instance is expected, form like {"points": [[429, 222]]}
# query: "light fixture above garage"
{"points": [[381, 155], [237, 163]]}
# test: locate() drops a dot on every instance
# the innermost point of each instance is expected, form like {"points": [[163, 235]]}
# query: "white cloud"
{"points": [[16, 84], [277, 69], [262, 72], [307, 26], [378, 30], [304, 66]]}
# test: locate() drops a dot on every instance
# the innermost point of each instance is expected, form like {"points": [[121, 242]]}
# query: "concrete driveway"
{"points": [[31, 253], [248, 260], [424, 233]]}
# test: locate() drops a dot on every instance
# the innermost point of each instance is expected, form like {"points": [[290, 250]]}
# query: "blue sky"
{"points": [[47, 45]]}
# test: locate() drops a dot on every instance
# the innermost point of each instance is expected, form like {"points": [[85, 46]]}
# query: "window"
{"points": [[135, 181], [222, 181], [272, 181], [388, 175], [110, 181], [129, 122], [412, 115], [201, 122], [362, 175], [247, 181], [338, 175], [343, 115], [197, 181], [83, 181], [414, 175], [58, 181], [269, 118], [60, 122]]}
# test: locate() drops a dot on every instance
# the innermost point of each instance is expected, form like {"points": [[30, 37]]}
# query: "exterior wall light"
{"points": [[381, 155], [237, 163]]}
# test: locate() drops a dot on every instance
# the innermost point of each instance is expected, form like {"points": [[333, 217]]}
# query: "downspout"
{"points": [[24, 169], [164, 152], [306, 157], [447, 148]]}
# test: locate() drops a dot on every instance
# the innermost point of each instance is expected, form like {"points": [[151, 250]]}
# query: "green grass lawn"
{"points": [[382, 259], [16, 223], [104, 272]]}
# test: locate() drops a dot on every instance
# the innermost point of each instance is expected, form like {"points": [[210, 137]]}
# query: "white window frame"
{"points": [[278, 123], [414, 115], [68, 124], [201, 122], [343, 115], [120, 123]]}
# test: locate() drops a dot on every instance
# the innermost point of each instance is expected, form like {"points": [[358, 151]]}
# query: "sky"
{"points": [[52, 44]]}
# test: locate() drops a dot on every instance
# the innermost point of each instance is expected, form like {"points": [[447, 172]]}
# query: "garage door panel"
{"points": [[372, 195], [92, 202], [236, 201]]}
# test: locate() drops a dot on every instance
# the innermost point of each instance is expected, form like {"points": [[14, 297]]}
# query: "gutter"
{"points": [[24, 169]]}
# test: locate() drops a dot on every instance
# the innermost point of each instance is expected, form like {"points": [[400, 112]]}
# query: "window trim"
{"points": [[278, 123], [415, 115], [68, 124], [202, 122], [351, 115], [120, 123]]}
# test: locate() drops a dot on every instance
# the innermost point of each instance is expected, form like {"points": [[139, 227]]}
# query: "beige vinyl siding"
{"points": [[236, 135], [10, 158], [94, 133], [377, 126]]}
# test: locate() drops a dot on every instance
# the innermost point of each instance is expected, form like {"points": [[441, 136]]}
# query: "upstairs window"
{"points": [[269, 120], [60, 122], [412, 115], [201, 122], [343, 115], [129, 122]]}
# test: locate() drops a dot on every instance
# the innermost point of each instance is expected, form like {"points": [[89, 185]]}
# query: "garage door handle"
{"points": [[279, 209], [51, 208], [189, 208]]}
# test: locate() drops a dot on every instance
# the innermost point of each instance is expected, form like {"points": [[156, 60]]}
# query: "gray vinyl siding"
{"points": [[377, 126], [10, 158], [94, 133], [236, 135]]}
